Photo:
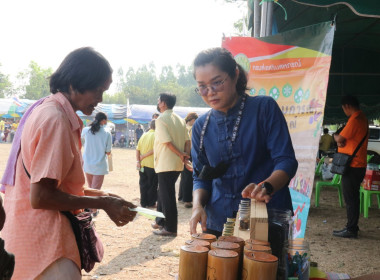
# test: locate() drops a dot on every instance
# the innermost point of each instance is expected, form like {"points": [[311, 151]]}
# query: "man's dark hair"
{"points": [[82, 69], [325, 130], [169, 99], [350, 100]]}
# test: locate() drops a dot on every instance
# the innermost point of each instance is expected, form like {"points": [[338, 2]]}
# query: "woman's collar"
{"points": [[232, 111]]}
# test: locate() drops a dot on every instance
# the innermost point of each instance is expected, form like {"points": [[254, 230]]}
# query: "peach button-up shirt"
{"points": [[50, 148]]}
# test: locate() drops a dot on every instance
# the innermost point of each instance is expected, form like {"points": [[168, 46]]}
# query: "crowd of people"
{"points": [[8, 128], [229, 154]]}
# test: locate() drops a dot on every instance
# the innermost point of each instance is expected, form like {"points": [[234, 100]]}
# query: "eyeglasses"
{"points": [[215, 87]]}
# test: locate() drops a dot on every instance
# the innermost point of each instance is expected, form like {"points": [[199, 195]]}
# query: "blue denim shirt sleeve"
{"points": [[197, 165]]}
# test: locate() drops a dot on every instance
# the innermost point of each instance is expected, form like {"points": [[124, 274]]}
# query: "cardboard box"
{"points": [[371, 180]]}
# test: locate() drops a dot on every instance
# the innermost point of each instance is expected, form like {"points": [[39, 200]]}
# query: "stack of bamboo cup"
{"points": [[244, 256]]}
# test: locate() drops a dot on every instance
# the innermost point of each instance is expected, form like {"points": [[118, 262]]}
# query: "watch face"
{"points": [[268, 188]]}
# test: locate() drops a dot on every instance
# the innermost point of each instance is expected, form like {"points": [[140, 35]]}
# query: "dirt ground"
{"points": [[133, 252]]}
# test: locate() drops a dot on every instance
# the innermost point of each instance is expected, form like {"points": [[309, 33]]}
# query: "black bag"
{"points": [[341, 162], [89, 245]]}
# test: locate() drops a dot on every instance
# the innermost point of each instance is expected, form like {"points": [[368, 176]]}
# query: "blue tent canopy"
{"points": [[117, 113], [143, 113]]}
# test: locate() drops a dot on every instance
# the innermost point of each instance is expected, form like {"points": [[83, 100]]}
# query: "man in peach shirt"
{"points": [[38, 233]]}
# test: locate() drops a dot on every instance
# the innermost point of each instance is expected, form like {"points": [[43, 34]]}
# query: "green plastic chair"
{"points": [[365, 200], [318, 170], [336, 182], [369, 157]]}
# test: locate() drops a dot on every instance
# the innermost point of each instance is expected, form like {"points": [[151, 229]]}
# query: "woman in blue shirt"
{"points": [[97, 145], [240, 149]]}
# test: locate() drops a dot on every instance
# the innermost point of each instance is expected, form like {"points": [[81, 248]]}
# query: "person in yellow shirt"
{"points": [[325, 143], [185, 193], [171, 151], [145, 164], [14, 127]]}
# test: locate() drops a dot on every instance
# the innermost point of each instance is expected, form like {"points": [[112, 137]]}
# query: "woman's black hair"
{"points": [[95, 125], [82, 69], [223, 59]]}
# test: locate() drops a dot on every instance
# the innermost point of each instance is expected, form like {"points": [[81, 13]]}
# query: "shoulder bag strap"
{"points": [[360, 144]]}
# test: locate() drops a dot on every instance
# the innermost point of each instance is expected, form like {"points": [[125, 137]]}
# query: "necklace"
{"points": [[235, 128]]}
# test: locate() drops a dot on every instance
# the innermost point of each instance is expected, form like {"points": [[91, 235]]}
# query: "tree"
{"points": [[5, 85], [35, 83], [142, 86]]}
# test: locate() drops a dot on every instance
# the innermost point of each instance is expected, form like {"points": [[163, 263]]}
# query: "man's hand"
{"points": [[198, 215], [189, 165], [184, 157], [118, 210], [254, 191]]}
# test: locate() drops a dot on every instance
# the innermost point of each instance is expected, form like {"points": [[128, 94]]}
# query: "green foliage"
{"points": [[5, 85], [142, 86], [35, 83]]}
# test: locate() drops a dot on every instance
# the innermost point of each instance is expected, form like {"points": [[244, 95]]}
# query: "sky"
{"points": [[129, 33]]}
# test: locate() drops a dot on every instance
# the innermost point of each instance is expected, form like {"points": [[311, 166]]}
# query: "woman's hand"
{"points": [[254, 191], [198, 215], [118, 210]]}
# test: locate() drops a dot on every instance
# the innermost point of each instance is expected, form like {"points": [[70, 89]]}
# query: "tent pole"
{"points": [[266, 19], [256, 18]]}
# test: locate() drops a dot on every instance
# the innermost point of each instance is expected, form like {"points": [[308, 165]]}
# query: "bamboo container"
{"points": [[222, 264], [204, 236], [257, 248], [233, 239], [257, 242], [241, 243], [193, 262], [259, 266], [224, 245], [199, 242]]}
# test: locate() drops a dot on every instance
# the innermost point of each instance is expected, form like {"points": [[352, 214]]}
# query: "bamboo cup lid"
{"points": [[199, 242], [224, 245], [257, 248], [219, 253], [260, 257], [204, 236], [194, 248], [233, 239], [257, 242]]}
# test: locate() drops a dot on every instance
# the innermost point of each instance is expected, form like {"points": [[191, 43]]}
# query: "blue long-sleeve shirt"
{"points": [[262, 146]]}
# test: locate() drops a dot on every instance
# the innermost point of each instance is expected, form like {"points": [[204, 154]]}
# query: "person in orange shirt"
{"points": [[347, 140], [38, 234]]}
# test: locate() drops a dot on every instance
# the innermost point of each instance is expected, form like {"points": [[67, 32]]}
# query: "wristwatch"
{"points": [[268, 188]]}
